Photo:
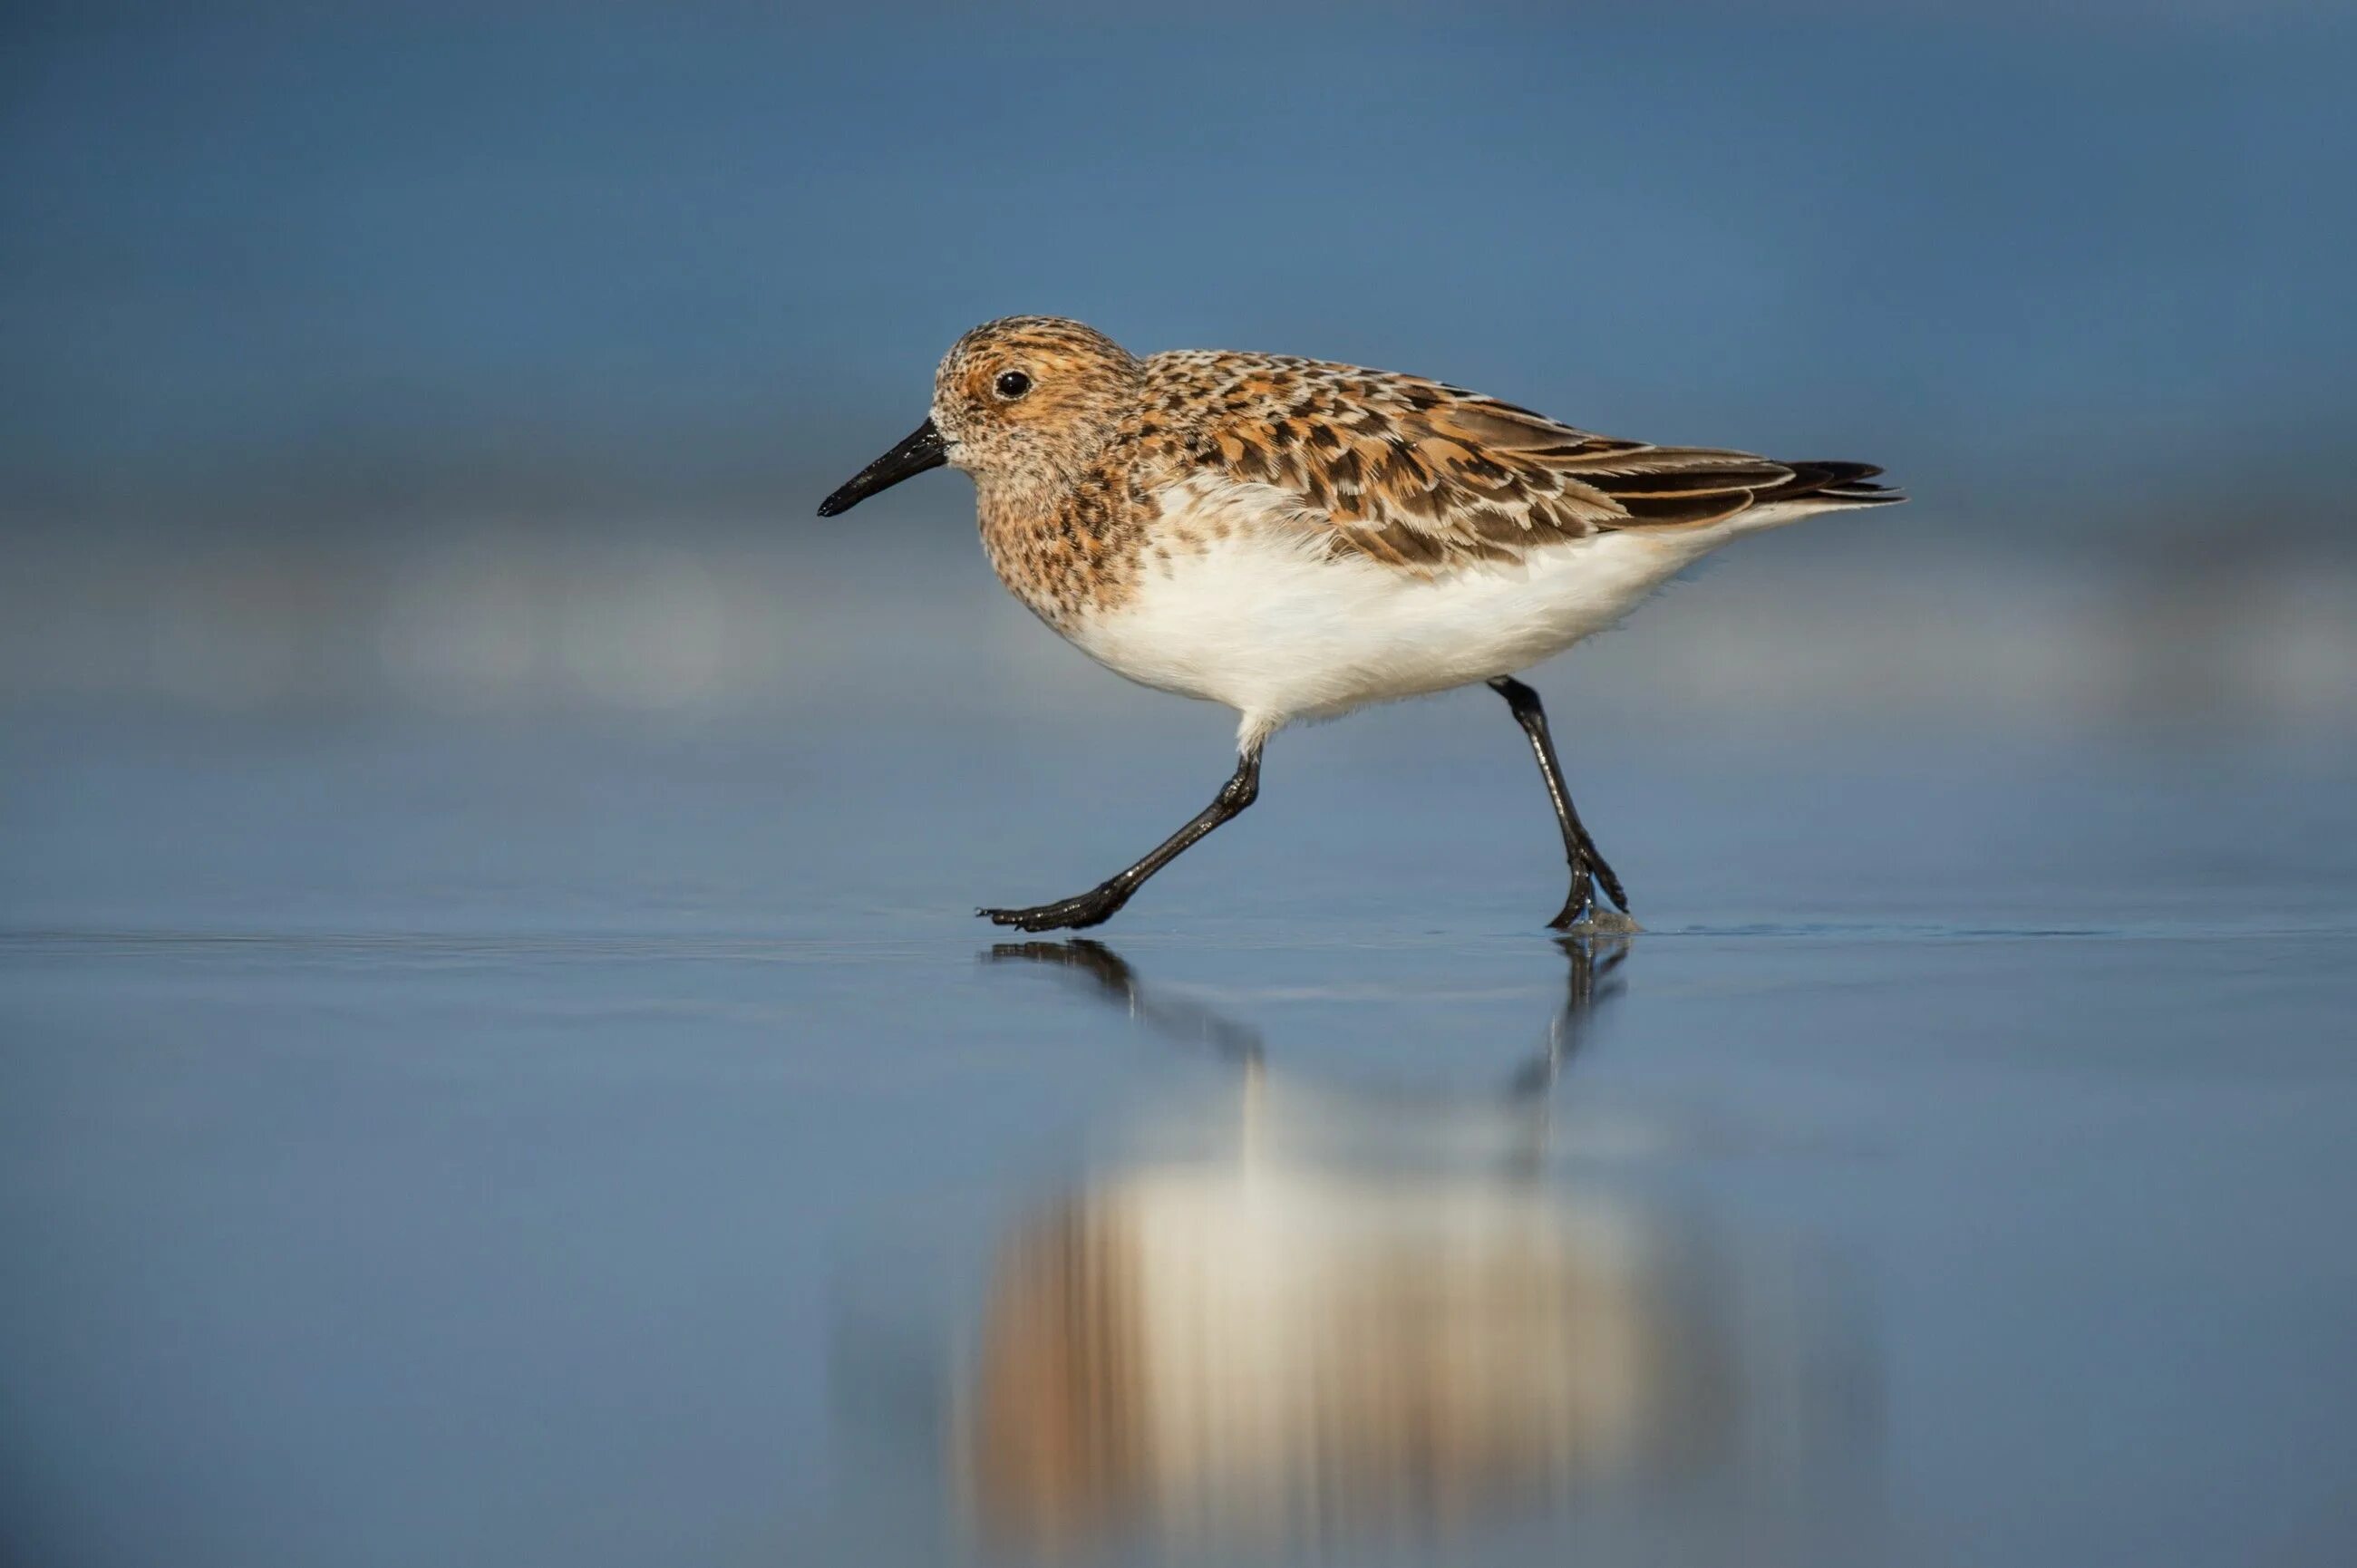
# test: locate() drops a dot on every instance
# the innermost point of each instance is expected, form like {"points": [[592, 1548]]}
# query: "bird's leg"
{"points": [[1099, 903], [1587, 866]]}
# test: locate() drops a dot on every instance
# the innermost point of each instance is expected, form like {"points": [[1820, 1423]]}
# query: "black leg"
{"points": [[1587, 867], [1097, 905]]}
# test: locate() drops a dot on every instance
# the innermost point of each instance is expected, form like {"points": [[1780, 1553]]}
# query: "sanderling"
{"points": [[1295, 539]]}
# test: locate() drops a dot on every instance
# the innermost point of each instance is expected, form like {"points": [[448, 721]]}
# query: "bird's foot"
{"points": [[1605, 878], [1093, 907], [1582, 915], [1578, 905]]}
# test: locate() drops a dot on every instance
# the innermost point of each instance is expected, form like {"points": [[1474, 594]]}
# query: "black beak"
{"points": [[923, 449]]}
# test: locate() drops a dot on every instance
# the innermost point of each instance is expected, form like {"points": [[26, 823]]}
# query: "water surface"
{"points": [[585, 1145]]}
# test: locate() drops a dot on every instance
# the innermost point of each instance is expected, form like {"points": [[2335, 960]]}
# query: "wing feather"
{"points": [[1424, 476]]}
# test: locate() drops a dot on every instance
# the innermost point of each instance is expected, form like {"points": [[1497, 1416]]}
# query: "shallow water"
{"points": [[449, 1143]]}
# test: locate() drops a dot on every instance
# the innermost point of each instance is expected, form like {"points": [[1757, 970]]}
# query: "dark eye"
{"points": [[1013, 384]]}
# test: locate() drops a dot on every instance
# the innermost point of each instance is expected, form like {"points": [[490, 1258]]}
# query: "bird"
{"points": [[1294, 538]]}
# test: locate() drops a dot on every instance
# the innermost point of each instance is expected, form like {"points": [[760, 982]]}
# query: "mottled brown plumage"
{"points": [[1415, 474]]}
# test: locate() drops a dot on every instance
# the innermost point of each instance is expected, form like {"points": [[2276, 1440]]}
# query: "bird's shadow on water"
{"points": [[1308, 1321]]}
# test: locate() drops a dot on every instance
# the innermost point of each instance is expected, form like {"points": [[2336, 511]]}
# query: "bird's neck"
{"points": [[1064, 548]]}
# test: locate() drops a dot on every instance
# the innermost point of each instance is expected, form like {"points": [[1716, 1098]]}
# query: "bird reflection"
{"points": [[1282, 1343]]}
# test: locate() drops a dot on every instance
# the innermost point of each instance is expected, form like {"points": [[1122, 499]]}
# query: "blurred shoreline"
{"points": [[1818, 626]]}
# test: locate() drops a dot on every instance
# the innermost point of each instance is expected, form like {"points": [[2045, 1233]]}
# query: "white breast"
{"points": [[1257, 617]]}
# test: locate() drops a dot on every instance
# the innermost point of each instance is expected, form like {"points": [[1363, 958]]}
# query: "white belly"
{"points": [[1258, 621]]}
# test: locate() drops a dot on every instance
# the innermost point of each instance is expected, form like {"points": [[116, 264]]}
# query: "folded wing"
{"points": [[1425, 476]]}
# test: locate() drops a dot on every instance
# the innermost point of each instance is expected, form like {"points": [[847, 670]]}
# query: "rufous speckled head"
{"points": [[1031, 398], [1025, 403]]}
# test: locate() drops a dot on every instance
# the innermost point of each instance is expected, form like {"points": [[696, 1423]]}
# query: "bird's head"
{"points": [[1023, 403]]}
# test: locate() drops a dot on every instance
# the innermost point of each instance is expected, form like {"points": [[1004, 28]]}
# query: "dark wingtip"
{"points": [[1852, 483]]}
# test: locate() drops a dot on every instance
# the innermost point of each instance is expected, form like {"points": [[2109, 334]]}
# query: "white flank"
{"points": [[1262, 621]]}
